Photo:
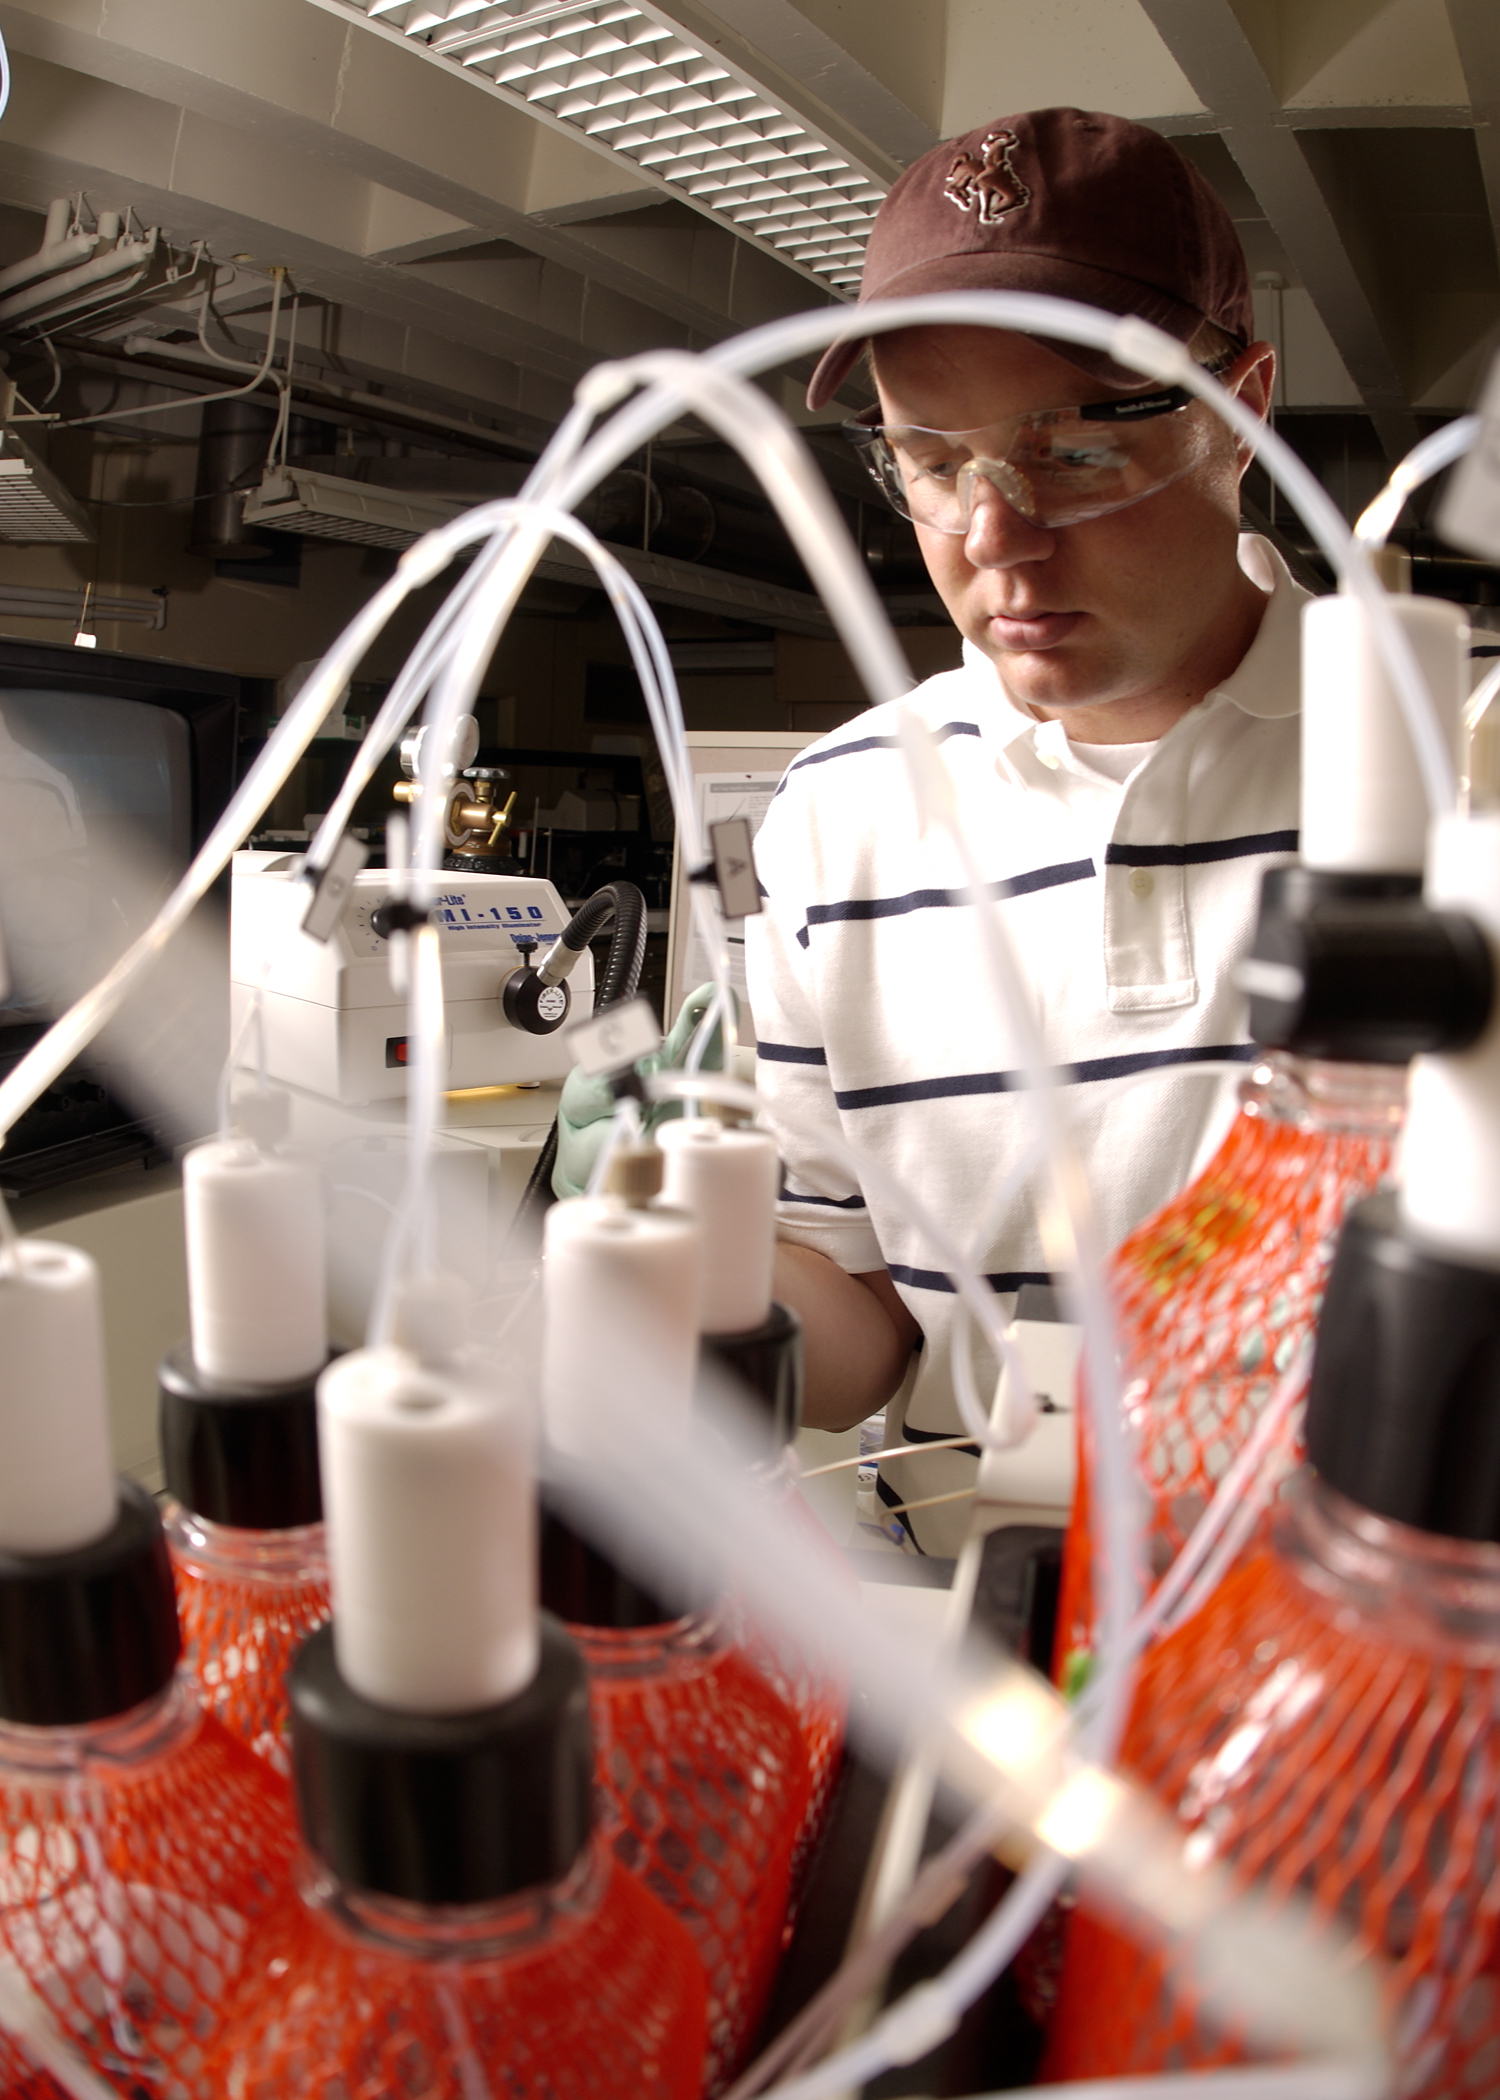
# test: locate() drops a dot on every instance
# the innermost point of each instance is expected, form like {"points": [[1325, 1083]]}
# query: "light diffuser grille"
{"points": [[627, 77], [325, 507], [34, 505]]}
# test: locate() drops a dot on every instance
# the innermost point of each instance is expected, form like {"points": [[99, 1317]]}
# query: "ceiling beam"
{"points": [[1207, 41], [1476, 31], [812, 65]]}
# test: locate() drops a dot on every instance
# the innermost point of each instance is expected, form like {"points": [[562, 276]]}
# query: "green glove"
{"points": [[587, 1105]]}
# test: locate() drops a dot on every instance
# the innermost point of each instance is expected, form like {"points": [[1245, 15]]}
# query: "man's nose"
{"points": [[999, 535]]}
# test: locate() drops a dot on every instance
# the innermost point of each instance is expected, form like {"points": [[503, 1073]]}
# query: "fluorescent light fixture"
{"points": [[326, 507], [624, 75], [34, 505], [38, 601]]}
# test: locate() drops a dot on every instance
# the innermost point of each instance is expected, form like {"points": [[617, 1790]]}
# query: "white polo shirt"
{"points": [[1129, 901]]}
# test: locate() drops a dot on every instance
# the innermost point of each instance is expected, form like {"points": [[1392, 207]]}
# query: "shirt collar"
{"points": [[1266, 683]]}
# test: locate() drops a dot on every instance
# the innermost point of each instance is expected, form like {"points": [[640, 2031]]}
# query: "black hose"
{"points": [[624, 905]]}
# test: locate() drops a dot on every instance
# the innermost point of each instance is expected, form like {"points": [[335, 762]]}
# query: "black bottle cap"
{"points": [[1403, 1415], [242, 1455], [444, 1808], [584, 1587], [766, 1364], [1357, 967], [89, 1634]]}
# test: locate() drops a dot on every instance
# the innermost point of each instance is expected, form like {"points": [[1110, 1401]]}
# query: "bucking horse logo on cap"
{"points": [[988, 184]]}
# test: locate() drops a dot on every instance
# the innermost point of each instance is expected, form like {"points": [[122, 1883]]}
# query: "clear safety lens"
{"points": [[1056, 467]]}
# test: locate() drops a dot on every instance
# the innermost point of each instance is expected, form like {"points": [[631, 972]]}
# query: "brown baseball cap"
{"points": [[1065, 201]]}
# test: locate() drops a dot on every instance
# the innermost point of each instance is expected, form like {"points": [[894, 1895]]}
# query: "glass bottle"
{"points": [[702, 1775], [1216, 1294], [245, 1530], [456, 1929], [1327, 1719], [139, 1841]]}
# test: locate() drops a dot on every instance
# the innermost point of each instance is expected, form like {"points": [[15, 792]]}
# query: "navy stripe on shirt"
{"points": [[1091, 1068], [829, 1202], [791, 1054], [939, 1280], [936, 900], [1125, 856], [873, 743]]}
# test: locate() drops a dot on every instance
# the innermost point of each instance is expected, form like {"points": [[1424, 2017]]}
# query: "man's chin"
{"points": [[1052, 680]]}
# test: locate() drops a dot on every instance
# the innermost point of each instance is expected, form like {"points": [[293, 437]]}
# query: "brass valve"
{"points": [[472, 821]]}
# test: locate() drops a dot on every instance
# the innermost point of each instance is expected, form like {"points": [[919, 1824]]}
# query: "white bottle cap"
{"points": [[620, 1300], [57, 1484], [729, 1181], [1363, 808], [1450, 1150], [427, 1495], [257, 1290]]}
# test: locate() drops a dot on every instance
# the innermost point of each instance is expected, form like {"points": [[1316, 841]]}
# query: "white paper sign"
{"points": [[722, 795], [616, 1038]]}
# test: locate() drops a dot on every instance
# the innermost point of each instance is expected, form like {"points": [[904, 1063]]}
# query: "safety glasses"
{"points": [[1057, 466]]}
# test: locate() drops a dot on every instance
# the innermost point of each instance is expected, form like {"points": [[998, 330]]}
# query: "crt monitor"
{"points": [[112, 770]]}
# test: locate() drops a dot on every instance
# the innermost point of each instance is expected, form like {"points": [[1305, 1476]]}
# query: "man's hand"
{"points": [[857, 1335]]}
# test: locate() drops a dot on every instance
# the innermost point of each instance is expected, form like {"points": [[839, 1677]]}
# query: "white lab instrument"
{"points": [[335, 1035], [334, 1025]]}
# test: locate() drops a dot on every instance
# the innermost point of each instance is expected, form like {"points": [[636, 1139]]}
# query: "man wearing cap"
{"points": [[1123, 740]]}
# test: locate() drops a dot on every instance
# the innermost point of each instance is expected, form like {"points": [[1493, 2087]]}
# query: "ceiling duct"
{"points": [[34, 505], [235, 439], [627, 78], [326, 507]]}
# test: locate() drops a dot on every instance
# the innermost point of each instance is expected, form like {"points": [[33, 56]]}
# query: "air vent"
{"points": [[325, 507], [34, 505]]}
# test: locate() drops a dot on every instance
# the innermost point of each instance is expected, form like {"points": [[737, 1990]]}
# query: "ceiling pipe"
{"points": [[59, 250]]}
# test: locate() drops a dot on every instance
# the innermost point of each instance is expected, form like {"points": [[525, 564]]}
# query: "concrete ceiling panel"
{"points": [[1410, 206], [1229, 71], [67, 117], [565, 181], [1476, 35], [1039, 54], [291, 57], [402, 229], [903, 48], [1373, 53], [219, 165]]}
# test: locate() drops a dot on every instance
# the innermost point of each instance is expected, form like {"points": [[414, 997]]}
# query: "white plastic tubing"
{"points": [[453, 655], [1426, 458], [413, 1240]]}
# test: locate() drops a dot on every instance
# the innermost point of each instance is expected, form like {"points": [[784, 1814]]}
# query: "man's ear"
{"points": [[1253, 377]]}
